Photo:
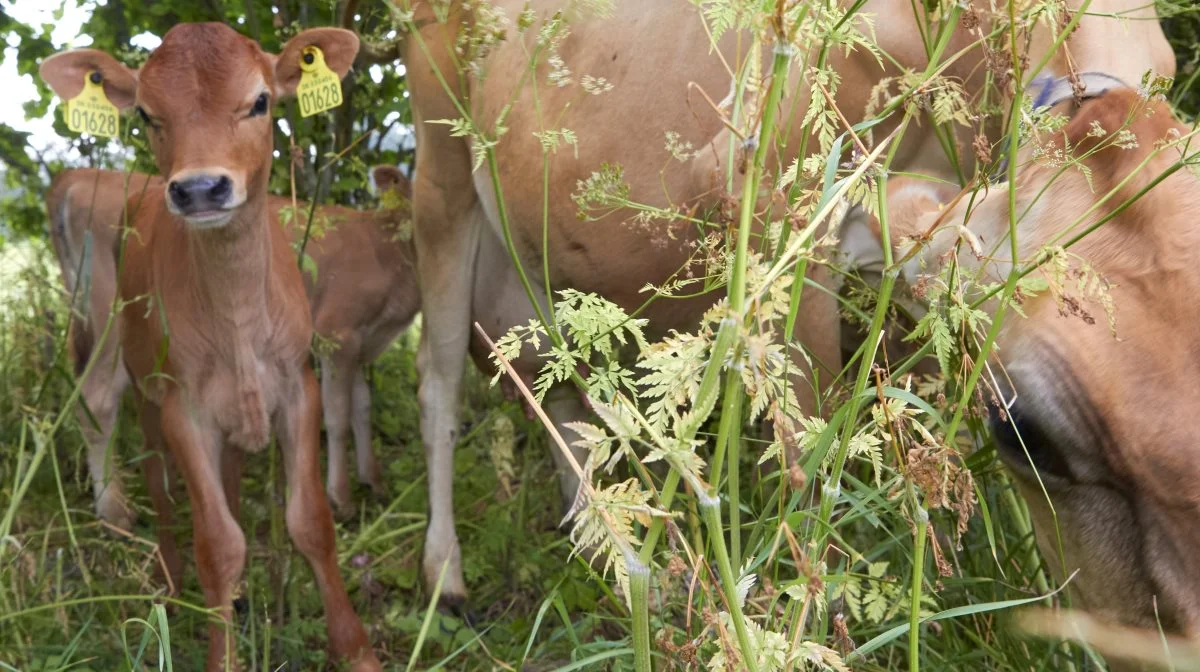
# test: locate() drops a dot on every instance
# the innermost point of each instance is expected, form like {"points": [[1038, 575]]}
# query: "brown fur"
{"points": [[364, 295], [216, 331], [1113, 411]]}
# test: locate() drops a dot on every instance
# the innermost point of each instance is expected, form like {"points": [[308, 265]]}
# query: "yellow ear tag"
{"points": [[320, 88], [91, 112]]}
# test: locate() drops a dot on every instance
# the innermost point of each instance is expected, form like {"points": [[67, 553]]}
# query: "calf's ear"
{"points": [[338, 46], [64, 73], [389, 177]]}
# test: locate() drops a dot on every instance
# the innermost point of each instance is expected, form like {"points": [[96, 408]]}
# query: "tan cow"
{"points": [[1102, 421], [364, 295], [656, 56], [217, 330]]}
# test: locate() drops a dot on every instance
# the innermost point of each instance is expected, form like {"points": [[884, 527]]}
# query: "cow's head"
{"points": [[1100, 433], [206, 95]]}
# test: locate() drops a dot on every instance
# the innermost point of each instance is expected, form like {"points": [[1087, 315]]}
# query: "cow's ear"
{"points": [[338, 47], [64, 73], [910, 201]]}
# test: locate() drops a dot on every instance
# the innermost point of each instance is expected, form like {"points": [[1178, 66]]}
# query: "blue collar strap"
{"points": [[1049, 91]]}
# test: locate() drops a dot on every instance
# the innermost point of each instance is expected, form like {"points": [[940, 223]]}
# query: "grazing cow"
{"points": [[1101, 420], [656, 56], [216, 329], [363, 296]]}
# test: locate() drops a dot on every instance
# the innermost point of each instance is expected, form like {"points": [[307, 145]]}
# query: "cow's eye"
{"points": [[145, 117], [260, 105], [1022, 440]]}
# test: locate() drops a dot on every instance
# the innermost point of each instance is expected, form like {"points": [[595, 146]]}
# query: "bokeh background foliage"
{"points": [[75, 596]]}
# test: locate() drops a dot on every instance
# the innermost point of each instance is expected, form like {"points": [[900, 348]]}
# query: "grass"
{"points": [[62, 569], [76, 596]]}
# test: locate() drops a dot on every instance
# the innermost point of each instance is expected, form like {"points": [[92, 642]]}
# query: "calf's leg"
{"points": [[368, 467], [337, 388], [310, 523], [219, 542], [156, 469], [101, 391]]}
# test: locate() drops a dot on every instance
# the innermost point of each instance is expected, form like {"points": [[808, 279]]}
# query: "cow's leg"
{"points": [[310, 523], [564, 406], [368, 467], [500, 303], [101, 391], [440, 362], [156, 469], [447, 237], [818, 330], [447, 219], [337, 385], [219, 542]]}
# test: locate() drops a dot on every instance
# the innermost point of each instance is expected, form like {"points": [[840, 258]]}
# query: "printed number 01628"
{"points": [[93, 122], [321, 98]]}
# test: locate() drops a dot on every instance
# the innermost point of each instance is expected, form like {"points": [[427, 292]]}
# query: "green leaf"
{"points": [[891, 635]]}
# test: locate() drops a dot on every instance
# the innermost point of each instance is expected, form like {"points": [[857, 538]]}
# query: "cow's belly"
{"points": [[653, 93]]}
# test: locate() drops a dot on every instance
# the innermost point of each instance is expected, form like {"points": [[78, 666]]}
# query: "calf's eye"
{"points": [[260, 105]]}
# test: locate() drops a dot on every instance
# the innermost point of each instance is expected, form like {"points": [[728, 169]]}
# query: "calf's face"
{"points": [[1100, 429], [206, 95]]}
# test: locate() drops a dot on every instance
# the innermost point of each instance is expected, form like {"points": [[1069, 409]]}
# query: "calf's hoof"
{"points": [[456, 606], [342, 505], [366, 663], [113, 508]]}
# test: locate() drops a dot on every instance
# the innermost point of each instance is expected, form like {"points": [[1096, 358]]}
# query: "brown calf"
{"points": [[216, 335], [363, 297], [82, 202]]}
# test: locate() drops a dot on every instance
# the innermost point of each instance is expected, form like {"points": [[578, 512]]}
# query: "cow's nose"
{"points": [[200, 193]]}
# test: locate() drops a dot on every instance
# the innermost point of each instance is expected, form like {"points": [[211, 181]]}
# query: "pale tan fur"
{"points": [[84, 208], [657, 56], [1113, 411]]}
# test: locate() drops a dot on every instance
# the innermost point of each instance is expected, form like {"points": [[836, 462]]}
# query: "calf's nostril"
{"points": [[221, 190], [179, 194]]}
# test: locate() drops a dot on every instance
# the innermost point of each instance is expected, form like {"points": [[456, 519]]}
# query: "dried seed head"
{"points": [[983, 149], [676, 566], [796, 477], [970, 19]]}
